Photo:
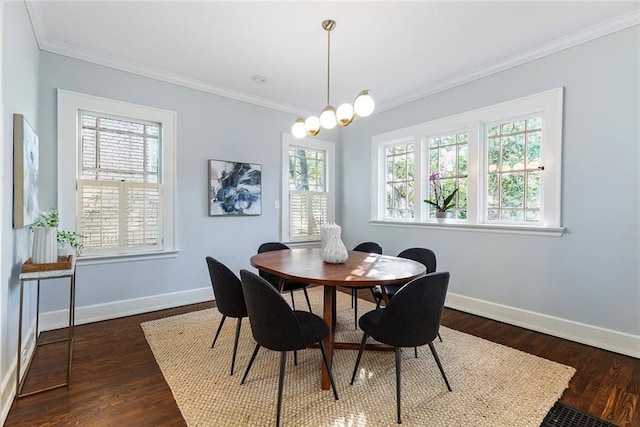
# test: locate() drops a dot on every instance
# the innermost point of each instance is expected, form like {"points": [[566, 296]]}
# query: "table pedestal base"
{"points": [[329, 316]]}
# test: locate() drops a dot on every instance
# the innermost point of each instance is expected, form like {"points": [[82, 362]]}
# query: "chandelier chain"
{"points": [[328, 63]]}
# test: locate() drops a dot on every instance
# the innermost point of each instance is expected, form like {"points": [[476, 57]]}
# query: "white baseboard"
{"points": [[618, 342], [7, 392], [95, 313], [8, 385]]}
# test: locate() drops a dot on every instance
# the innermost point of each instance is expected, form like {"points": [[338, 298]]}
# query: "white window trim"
{"points": [[548, 104], [289, 140], [68, 127]]}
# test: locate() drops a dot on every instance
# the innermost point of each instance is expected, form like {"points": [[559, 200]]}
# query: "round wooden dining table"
{"points": [[360, 270]]}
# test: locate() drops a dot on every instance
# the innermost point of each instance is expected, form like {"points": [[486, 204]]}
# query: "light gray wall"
{"points": [[19, 95], [591, 274], [208, 127]]}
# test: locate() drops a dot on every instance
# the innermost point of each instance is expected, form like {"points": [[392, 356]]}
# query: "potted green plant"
{"points": [[47, 238], [440, 201]]}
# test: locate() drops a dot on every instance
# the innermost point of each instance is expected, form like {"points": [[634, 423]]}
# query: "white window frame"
{"points": [[383, 165], [69, 104], [328, 147], [546, 104]]}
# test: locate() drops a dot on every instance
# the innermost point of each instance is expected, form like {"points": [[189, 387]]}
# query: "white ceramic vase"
{"points": [[45, 245], [324, 234], [333, 250]]}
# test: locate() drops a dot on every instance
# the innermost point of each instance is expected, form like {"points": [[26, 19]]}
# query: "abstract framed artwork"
{"points": [[235, 188], [25, 172]]}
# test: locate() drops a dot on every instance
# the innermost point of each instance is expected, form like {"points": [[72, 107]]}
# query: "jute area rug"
{"points": [[493, 385]]}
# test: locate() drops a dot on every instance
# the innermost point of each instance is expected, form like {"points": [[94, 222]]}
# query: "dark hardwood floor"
{"points": [[116, 382]]}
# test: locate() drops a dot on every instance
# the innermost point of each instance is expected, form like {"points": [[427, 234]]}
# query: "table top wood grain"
{"points": [[360, 269]]}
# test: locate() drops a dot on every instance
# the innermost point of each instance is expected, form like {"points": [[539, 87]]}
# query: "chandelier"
{"points": [[330, 116]]}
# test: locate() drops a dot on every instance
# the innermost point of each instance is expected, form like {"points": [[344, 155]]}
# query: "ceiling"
{"points": [[401, 51]]}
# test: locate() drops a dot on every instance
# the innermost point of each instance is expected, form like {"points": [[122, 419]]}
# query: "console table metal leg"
{"points": [[72, 304], [18, 382], [38, 311]]}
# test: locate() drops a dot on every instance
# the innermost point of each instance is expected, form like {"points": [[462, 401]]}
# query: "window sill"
{"points": [[484, 228], [117, 258], [303, 244]]}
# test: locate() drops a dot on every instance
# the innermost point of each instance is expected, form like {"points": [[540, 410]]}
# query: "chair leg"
{"points": [[306, 295], [398, 383], [355, 369], [218, 331], [283, 362], [326, 363], [355, 309], [295, 357], [293, 301], [435, 356], [253, 357], [235, 344], [416, 348]]}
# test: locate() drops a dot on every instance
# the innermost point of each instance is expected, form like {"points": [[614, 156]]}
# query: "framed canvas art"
{"points": [[234, 188], [25, 172]]}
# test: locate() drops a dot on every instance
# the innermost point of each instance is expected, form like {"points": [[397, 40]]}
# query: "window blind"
{"points": [[307, 213], [120, 189]]}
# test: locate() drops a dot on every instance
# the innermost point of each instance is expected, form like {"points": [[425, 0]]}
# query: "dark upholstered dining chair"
{"points": [[411, 319], [276, 326], [288, 285], [227, 291], [424, 256], [372, 248]]}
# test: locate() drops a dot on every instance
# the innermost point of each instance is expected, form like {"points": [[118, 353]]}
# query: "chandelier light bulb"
{"points": [[344, 114], [312, 125], [364, 104], [328, 117], [298, 130]]}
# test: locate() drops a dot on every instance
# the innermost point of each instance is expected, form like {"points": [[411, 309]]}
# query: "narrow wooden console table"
{"points": [[65, 268]]}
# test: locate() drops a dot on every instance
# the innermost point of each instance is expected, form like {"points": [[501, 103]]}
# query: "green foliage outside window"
{"points": [[514, 179]]}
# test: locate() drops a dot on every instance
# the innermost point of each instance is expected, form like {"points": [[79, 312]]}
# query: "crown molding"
{"points": [[37, 22], [46, 44], [154, 73], [599, 30], [590, 33]]}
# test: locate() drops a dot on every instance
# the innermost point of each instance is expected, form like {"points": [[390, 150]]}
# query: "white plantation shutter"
{"points": [[99, 214], [307, 212], [144, 204], [120, 187]]}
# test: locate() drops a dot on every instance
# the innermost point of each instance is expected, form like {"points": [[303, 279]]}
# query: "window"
{"points": [[123, 174], [513, 170], [504, 160], [399, 194], [308, 195], [448, 156], [120, 189]]}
